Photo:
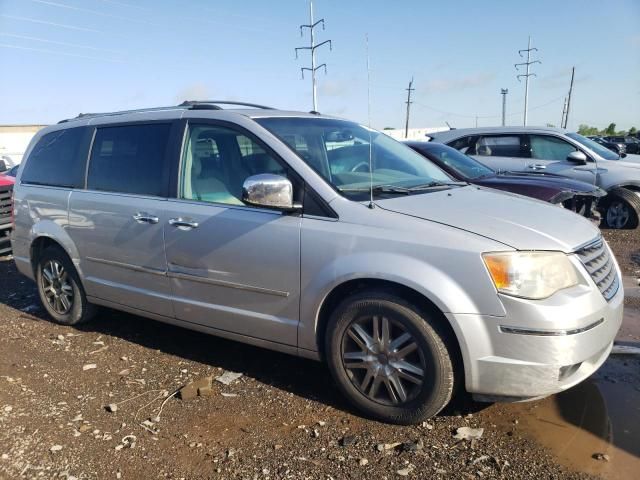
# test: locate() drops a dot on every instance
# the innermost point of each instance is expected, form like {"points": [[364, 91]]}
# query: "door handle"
{"points": [[537, 166], [144, 217], [183, 224]]}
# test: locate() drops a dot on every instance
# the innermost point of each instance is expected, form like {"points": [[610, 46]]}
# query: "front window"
{"points": [[595, 147], [546, 147], [217, 160], [342, 151]]}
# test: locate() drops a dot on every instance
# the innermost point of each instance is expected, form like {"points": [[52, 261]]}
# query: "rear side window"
{"points": [[58, 159], [499, 146], [130, 159]]}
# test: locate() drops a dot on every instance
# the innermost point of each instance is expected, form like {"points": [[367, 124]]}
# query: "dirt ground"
{"points": [[282, 419]]}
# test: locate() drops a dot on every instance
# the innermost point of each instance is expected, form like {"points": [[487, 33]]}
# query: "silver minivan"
{"points": [[318, 237]]}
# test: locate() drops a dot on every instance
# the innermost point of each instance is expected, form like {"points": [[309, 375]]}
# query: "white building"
{"points": [[14, 140], [414, 133]]}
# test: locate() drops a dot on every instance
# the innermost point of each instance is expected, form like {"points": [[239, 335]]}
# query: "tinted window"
{"points": [[217, 160], [130, 159], [499, 146], [58, 159]]}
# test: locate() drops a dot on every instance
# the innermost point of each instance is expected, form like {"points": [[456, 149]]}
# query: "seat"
{"points": [[205, 185]]}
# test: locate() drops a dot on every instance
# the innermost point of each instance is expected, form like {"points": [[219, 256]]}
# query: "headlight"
{"points": [[533, 275]]}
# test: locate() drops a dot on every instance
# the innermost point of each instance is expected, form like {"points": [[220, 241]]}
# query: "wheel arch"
{"points": [[47, 233], [409, 294]]}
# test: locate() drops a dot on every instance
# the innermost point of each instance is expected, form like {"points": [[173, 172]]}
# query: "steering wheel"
{"points": [[359, 165]]}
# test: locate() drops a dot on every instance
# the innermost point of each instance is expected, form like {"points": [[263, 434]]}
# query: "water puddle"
{"points": [[599, 416]]}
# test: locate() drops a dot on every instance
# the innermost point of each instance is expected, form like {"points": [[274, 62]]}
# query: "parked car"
{"points": [[619, 148], [551, 150], [318, 237], [632, 144], [577, 196], [6, 189]]}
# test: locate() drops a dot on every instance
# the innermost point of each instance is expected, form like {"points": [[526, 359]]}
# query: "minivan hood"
{"points": [[514, 220]]}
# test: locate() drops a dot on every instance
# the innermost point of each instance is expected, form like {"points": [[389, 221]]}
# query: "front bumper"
{"points": [[540, 347]]}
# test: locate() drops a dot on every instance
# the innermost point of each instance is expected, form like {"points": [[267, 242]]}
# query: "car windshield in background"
{"points": [[595, 146], [341, 152], [459, 162]]}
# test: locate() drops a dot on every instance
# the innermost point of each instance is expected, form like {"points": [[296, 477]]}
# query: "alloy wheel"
{"points": [[617, 214], [57, 287], [383, 360]]}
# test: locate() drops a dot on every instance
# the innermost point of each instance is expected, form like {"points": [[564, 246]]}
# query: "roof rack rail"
{"points": [[215, 104], [188, 104], [120, 112]]}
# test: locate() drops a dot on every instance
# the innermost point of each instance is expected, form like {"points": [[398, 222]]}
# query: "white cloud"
{"points": [[195, 91], [333, 88]]}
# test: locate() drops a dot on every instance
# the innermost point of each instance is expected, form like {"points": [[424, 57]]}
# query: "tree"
{"points": [[633, 131], [585, 130], [611, 129]]}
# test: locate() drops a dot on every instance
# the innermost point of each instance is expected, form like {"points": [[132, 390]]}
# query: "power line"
{"points": [[312, 48], [408, 102], [54, 42], [462, 115], [94, 12], [53, 24], [526, 75], [54, 52]]}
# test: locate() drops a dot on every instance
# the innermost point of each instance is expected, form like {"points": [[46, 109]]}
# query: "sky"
{"points": [[62, 57]]}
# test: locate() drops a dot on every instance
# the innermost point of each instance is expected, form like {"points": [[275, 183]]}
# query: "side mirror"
{"points": [[269, 191], [577, 157]]}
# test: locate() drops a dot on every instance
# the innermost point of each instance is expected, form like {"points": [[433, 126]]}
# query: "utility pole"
{"points": [[409, 90], [476, 121], [566, 115], [526, 75], [503, 92], [312, 48]]}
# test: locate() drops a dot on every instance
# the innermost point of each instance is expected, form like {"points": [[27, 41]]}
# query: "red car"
{"points": [[6, 188]]}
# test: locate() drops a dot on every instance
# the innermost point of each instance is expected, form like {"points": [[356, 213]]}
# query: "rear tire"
{"points": [[60, 289], [399, 371], [621, 209]]}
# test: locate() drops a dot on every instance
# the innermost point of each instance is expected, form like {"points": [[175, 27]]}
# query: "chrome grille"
{"points": [[597, 260]]}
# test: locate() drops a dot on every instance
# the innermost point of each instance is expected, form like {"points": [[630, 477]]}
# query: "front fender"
{"points": [[433, 283]]}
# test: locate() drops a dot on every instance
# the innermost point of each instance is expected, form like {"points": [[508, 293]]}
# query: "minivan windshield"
{"points": [[341, 152], [604, 152]]}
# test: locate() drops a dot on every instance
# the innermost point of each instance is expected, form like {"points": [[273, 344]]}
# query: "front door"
{"points": [[117, 221], [551, 152], [231, 267]]}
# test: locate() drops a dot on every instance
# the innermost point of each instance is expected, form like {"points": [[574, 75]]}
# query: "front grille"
{"points": [[596, 259], [5, 219]]}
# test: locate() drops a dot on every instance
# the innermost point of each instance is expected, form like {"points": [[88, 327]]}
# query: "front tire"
{"points": [[622, 209], [388, 358], [60, 289]]}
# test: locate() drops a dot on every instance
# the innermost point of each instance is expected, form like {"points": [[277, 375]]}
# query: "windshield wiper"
{"points": [[430, 185], [381, 189]]}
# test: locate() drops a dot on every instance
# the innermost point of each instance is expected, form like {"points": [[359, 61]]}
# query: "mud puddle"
{"points": [[599, 416]]}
